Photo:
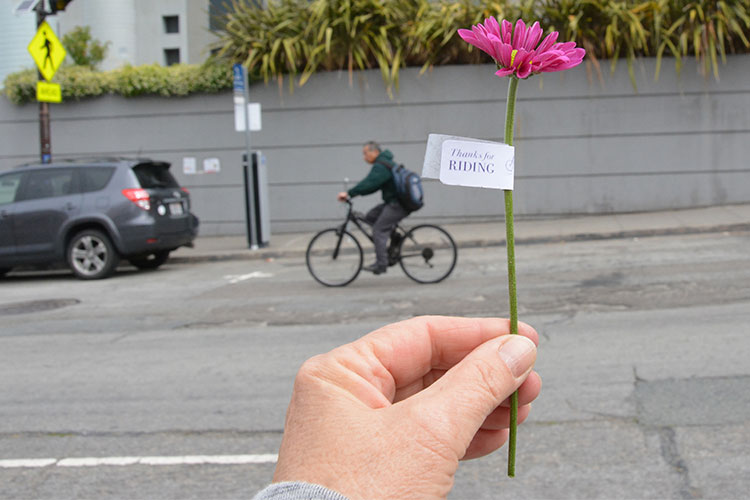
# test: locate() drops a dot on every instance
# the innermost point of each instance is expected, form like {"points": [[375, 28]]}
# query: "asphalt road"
{"points": [[644, 356]]}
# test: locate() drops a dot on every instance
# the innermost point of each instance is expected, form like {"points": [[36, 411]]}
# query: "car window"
{"points": [[9, 187], [48, 183], [154, 175], [95, 178]]}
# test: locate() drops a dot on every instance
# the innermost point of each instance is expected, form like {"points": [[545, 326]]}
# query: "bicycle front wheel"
{"points": [[334, 258], [428, 254]]}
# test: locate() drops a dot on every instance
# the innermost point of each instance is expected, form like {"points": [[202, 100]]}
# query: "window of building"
{"points": [[171, 56], [171, 24]]}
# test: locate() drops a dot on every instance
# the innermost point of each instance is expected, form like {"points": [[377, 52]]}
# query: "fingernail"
{"points": [[519, 353]]}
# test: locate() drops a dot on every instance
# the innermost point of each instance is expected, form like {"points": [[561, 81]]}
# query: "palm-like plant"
{"points": [[291, 37], [432, 36], [357, 34], [705, 28], [575, 20], [269, 41]]}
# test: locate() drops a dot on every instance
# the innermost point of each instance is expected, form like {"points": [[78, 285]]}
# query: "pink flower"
{"points": [[518, 51]]}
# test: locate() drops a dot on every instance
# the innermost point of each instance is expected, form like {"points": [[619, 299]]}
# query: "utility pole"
{"points": [[45, 138]]}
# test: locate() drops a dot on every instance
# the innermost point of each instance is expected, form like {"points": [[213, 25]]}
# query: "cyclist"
{"points": [[383, 216]]}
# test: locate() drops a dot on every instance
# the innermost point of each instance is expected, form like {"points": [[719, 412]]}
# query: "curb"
{"points": [[264, 254]]}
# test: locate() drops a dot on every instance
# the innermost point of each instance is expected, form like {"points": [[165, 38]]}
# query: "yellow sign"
{"points": [[47, 51], [48, 92]]}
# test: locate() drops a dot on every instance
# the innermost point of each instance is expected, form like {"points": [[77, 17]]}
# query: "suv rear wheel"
{"points": [[150, 260], [91, 255]]}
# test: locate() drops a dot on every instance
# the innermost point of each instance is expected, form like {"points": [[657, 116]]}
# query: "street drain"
{"points": [[32, 306]]}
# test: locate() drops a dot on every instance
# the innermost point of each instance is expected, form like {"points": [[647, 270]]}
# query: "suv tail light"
{"points": [[138, 196]]}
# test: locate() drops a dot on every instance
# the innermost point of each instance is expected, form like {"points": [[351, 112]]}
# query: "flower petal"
{"points": [[504, 72], [506, 31], [492, 26], [564, 46], [467, 35], [505, 54], [524, 70], [548, 42], [519, 34], [498, 49], [521, 57], [477, 39], [533, 36]]}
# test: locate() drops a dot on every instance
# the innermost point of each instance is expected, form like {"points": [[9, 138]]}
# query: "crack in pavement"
{"points": [[671, 455]]}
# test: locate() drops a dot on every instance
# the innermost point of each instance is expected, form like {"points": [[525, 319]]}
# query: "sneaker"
{"points": [[375, 269]]}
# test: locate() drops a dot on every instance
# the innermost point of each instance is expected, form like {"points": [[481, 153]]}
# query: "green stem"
{"points": [[510, 245]]}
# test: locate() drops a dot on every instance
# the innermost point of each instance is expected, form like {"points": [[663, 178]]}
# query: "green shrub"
{"points": [[82, 49], [78, 82], [20, 87]]}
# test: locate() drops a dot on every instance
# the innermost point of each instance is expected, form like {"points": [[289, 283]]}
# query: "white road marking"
{"points": [[36, 463], [27, 462], [93, 462], [236, 278]]}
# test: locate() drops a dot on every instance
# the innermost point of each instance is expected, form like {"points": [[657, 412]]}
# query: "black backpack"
{"points": [[408, 187]]}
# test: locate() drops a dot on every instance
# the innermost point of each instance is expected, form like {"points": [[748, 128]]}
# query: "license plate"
{"points": [[176, 208]]}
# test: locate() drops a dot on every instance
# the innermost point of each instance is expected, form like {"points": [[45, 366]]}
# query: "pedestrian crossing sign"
{"points": [[47, 51]]}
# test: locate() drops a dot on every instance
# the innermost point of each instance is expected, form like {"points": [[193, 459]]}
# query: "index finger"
{"points": [[405, 352]]}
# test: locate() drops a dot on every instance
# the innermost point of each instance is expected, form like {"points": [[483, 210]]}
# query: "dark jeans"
{"points": [[384, 218]]}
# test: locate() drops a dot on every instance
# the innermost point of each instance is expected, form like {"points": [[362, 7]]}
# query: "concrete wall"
{"points": [[583, 145]]}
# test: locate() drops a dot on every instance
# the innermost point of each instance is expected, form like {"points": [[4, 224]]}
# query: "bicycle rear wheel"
{"points": [[428, 254], [334, 258]]}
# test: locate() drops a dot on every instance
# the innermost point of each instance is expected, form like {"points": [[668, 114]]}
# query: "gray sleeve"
{"points": [[297, 491]]}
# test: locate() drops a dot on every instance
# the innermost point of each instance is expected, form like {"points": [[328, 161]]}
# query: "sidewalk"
{"points": [[573, 228]]}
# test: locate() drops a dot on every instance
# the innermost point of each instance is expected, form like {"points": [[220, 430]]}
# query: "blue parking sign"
{"points": [[239, 79]]}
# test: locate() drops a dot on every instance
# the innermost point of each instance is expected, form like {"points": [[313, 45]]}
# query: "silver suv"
{"points": [[90, 214]]}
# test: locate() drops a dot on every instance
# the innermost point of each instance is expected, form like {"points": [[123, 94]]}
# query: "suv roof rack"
{"points": [[94, 159]]}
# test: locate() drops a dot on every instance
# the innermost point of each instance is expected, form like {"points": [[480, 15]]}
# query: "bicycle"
{"points": [[426, 253]]}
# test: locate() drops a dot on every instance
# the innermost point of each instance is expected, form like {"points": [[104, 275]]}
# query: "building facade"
{"points": [[138, 31], [144, 31], [15, 34]]}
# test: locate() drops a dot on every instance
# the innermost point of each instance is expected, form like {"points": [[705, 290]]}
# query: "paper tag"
{"points": [[499, 178], [477, 164], [431, 167]]}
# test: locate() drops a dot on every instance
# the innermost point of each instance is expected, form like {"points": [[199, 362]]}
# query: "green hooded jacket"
{"points": [[379, 178]]}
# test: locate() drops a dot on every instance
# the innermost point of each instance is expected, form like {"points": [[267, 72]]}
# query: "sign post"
{"points": [[241, 85], [48, 53]]}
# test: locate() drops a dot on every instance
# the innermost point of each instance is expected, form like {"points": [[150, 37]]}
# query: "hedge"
{"points": [[78, 82]]}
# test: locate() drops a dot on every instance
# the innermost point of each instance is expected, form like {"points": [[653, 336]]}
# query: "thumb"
{"points": [[460, 401]]}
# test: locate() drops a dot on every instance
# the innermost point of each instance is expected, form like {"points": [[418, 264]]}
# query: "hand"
{"points": [[391, 414], [342, 196]]}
